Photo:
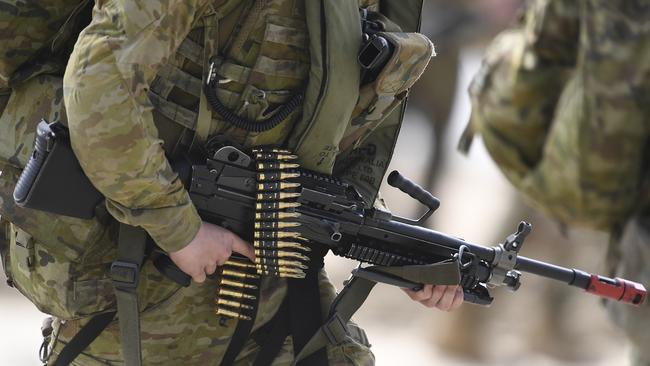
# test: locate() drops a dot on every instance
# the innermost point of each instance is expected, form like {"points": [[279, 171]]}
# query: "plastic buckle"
{"points": [[125, 274], [335, 330]]}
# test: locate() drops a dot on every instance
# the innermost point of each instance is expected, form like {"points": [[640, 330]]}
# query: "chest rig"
{"points": [[256, 53]]}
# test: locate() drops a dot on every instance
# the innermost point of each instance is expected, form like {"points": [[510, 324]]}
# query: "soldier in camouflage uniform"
{"points": [[122, 125], [562, 104]]}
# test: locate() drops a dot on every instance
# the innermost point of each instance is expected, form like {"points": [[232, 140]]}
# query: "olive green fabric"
{"points": [[406, 14], [333, 87], [34, 37]]}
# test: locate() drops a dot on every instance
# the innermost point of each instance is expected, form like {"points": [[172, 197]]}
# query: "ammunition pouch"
{"points": [[59, 263], [393, 62]]}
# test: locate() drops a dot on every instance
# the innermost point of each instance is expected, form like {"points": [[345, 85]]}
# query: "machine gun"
{"points": [[289, 214]]}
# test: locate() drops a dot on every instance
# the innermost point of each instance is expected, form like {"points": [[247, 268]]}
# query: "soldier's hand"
{"points": [[446, 298], [211, 247]]}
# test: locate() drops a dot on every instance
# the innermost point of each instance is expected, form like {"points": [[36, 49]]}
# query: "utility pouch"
{"points": [[389, 86], [53, 180]]}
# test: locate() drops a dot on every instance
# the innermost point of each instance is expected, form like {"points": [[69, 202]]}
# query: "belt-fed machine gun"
{"points": [[288, 214]]}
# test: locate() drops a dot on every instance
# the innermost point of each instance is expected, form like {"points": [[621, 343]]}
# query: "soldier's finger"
{"points": [[211, 268], [447, 298], [458, 300], [421, 295], [199, 276], [242, 247], [436, 295]]}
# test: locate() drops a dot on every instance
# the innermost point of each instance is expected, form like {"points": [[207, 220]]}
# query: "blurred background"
{"points": [[544, 323]]}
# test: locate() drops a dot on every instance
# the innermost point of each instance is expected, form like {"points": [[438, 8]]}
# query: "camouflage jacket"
{"points": [[562, 102]]}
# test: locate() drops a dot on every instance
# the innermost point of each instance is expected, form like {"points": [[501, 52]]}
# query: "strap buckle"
{"points": [[125, 274], [335, 330]]}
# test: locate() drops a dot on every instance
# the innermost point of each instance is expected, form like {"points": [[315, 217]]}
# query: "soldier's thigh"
{"points": [[182, 330]]}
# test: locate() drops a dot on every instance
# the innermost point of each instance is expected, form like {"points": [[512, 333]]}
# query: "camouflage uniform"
{"points": [[121, 129], [562, 104]]}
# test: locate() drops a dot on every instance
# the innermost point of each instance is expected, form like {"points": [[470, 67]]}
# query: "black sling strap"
{"points": [[305, 316], [272, 335], [299, 316], [125, 273], [84, 338]]}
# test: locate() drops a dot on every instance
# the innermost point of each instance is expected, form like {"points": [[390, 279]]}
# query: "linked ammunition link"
{"points": [[236, 295], [279, 249]]}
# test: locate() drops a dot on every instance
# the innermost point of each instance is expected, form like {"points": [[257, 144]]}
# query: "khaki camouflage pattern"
{"points": [[562, 102], [107, 140], [30, 102], [562, 105], [183, 330], [411, 55], [111, 125], [28, 28]]}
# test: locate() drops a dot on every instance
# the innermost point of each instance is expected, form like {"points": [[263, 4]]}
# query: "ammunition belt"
{"points": [[279, 249]]}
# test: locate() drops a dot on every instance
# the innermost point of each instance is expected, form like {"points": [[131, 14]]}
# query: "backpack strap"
{"points": [[125, 273], [204, 117]]}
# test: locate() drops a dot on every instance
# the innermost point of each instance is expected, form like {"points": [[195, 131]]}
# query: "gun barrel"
{"points": [[616, 289]]}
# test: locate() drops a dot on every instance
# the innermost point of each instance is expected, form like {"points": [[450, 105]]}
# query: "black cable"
{"points": [[248, 124]]}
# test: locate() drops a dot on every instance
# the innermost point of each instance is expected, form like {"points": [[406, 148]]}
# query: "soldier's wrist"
{"points": [[177, 235]]}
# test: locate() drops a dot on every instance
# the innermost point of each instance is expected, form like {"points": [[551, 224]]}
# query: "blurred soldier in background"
{"points": [[562, 102]]}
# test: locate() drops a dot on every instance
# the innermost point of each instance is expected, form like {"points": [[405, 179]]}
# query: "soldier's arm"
{"points": [[110, 119]]}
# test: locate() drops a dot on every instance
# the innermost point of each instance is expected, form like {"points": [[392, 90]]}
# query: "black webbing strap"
{"points": [[272, 335], [84, 338], [305, 316], [357, 289], [334, 330], [125, 273], [242, 331]]}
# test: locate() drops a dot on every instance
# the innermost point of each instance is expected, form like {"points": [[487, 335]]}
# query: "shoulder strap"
{"points": [[204, 117], [125, 273]]}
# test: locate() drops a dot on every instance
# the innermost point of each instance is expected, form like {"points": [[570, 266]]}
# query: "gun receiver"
{"points": [[322, 213]]}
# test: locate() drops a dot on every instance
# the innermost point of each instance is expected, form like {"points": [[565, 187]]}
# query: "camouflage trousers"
{"points": [[631, 256], [183, 330]]}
